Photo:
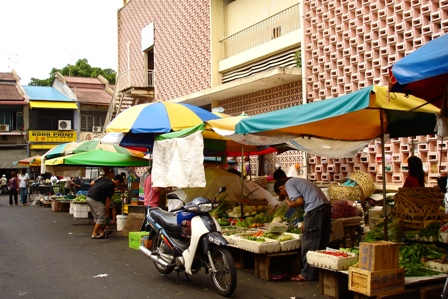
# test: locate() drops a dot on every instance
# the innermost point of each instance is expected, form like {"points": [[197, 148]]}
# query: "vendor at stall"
{"points": [[317, 220], [98, 198]]}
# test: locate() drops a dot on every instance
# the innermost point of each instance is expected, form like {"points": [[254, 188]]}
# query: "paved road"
{"points": [[46, 254]]}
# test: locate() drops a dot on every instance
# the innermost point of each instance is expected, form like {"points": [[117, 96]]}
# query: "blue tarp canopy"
{"points": [[424, 72], [352, 117]]}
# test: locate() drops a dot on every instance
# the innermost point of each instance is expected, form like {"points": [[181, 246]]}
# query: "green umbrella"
{"points": [[99, 157]]}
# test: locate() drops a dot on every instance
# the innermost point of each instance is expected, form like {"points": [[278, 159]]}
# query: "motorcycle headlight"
{"points": [[205, 207]]}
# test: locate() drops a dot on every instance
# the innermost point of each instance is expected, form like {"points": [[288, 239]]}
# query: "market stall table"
{"points": [[39, 190], [334, 283]]}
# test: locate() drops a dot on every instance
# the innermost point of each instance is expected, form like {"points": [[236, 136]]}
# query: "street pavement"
{"points": [[47, 254]]}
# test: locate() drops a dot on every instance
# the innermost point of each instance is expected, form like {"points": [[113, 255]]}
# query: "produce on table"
{"points": [[80, 198], [412, 257], [395, 232], [343, 208], [430, 232]]}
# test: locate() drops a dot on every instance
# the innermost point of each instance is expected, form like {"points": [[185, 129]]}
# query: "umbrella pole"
{"points": [[383, 166], [242, 179]]}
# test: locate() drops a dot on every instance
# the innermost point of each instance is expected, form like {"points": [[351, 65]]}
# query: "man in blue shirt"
{"points": [[317, 219]]}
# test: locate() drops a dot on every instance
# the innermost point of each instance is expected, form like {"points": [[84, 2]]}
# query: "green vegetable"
{"points": [[412, 255], [285, 237], [256, 239], [431, 230]]}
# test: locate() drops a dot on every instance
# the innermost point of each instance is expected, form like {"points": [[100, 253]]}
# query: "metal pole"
{"points": [[383, 166]]}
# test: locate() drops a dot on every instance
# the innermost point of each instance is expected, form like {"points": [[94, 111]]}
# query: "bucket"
{"points": [[121, 220]]}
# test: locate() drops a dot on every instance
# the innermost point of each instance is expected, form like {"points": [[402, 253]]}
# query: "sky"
{"points": [[38, 35]]}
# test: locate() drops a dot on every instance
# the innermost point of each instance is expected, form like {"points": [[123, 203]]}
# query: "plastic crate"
{"points": [[289, 245], [135, 239], [328, 261]]}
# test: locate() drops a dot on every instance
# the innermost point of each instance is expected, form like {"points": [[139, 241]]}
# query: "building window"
{"points": [[92, 118], [47, 119], [12, 118]]}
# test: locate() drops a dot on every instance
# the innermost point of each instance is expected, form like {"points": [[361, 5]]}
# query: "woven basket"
{"points": [[364, 181], [416, 207], [337, 192]]}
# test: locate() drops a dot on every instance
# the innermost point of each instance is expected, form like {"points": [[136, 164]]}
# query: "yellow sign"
{"points": [[42, 146], [51, 136]]}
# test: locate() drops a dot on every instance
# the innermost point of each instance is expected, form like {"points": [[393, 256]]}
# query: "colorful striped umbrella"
{"points": [[30, 161], [159, 117], [99, 157], [89, 145]]}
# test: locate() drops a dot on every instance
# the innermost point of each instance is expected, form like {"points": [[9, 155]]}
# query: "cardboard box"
{"points": [[376, 256], [135, 239], [373, 283]]}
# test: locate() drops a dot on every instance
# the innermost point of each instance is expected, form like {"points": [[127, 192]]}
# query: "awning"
{"points": [[42, 146], [13, 103], [53, 105], [13, 133], [9, 156]]}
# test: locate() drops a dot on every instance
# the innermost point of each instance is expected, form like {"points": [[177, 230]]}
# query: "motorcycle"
{"points": [[187, 239]]}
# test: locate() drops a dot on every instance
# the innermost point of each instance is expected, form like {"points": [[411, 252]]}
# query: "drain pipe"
{"points": [[303, 71]]}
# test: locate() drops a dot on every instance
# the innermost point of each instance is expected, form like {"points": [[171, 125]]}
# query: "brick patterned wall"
{"points": [[351, 43], [182, 44], [267, 100]]}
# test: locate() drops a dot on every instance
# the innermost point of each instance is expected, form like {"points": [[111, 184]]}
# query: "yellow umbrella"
{"points": [[30, 161]]}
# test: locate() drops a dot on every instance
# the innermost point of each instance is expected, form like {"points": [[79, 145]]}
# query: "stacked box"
{"points": [[373, 283], [135, 239], [376, 256], [81, 211]]}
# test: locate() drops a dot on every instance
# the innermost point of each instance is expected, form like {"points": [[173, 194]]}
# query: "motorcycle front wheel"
{"points": [[225, 276], [159, 246]]}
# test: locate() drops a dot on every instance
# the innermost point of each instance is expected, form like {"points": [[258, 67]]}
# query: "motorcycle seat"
{"points": [[167, 220]]}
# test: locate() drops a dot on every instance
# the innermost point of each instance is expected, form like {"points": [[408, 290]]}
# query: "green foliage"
{"points": [[395, 232], [412, 256], [298, 58], [82, 68]]}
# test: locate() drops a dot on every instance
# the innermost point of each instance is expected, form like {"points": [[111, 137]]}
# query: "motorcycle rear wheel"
{"points": [[225, 277], [159, 246]]}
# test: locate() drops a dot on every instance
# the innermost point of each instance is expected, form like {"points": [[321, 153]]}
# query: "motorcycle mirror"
{"points": [[222, 189]]}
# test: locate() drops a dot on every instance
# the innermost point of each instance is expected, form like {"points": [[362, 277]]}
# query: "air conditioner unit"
{"points": [[64, 124], [4, 127], [96, 129]]}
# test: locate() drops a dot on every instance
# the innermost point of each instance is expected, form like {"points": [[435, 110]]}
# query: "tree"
{"points": [[82, 68]]}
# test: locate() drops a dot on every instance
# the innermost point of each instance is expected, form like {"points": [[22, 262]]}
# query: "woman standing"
{"points": [[13, 186], [416, 177], [23, 186]]}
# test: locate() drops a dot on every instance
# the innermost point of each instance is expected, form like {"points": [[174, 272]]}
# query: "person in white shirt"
{"points": [[55, 183], [23, 186], [4, 185]]}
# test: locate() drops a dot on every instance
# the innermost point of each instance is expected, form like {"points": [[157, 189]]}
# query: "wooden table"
{"points": [[267, 264]]}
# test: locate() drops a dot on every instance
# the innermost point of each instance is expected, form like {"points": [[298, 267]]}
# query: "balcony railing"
{"points": [[282, 23], [135, 78]]}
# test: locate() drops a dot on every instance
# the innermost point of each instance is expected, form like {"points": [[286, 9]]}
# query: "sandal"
{"points": [[108, 232], [298, 278], [97, 237]]}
